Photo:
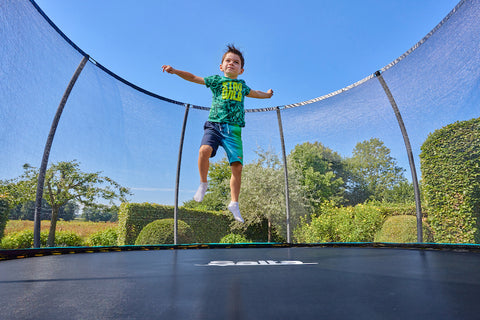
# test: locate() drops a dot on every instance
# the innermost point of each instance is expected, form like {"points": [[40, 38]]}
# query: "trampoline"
{"points": [[435, 84], [329, 281]]}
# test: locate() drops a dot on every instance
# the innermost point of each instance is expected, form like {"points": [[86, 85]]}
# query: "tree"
{"points": [[263, 193], [100, 213], [375, 172], [65, 182], [26, 211], [321, 172]]}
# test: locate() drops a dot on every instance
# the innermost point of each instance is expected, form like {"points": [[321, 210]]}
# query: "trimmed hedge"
{"points": [[161, 232], [402, 229], [208, 226], [4, 209], [450, 163], [396, 209]]}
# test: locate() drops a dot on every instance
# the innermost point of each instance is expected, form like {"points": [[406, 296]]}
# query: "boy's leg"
{"points": [[235, 183], [232, 144], [210, 142], [204, 161], [203, 165], [235, 180]]}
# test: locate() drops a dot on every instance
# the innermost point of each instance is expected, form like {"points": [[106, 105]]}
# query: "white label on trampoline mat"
{"points": [[255, 263]]}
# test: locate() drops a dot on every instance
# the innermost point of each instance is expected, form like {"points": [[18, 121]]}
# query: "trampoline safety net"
{"points": [[333, 146]]}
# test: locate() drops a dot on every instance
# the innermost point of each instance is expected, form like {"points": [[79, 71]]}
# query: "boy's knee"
{"points": [[236, 167], [205, 151]]}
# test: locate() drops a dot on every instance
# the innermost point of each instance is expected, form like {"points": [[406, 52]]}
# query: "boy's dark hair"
{"points": [[231, 49]]}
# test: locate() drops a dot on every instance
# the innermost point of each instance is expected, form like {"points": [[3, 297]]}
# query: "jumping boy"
{"points": [[225, 121]]}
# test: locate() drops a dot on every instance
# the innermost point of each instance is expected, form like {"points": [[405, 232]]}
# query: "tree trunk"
{"points": [[53, 227]]}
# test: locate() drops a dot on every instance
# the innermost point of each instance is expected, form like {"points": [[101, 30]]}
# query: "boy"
{"points": [[225, 121]]}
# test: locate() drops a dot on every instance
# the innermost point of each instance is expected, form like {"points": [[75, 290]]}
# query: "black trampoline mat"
{"points": [[244, 283]]}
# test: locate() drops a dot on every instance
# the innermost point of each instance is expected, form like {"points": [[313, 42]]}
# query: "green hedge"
{"points": [[208, 227], [161, 232], [4, 209], [402, 229], [396, 209], [450, 163]]}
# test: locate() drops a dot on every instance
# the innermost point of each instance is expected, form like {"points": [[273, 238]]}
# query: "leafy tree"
{"points": [[65, 182], [320, 171], [263, 193], [102, 213], [26, 211], [17, 191], [374, 171], [403, 192]]}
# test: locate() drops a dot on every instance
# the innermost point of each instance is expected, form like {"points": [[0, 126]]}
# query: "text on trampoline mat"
{"points": [[256, 263]]}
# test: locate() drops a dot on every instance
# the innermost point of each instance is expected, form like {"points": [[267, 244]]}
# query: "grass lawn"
{"points": [[82, 228]]}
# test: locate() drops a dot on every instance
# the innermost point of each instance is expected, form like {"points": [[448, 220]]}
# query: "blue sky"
{"points": [[300, 49]]}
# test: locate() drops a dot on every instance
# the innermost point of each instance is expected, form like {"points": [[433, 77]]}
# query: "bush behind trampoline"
{"points": [[208, 226], [24, 239], [161, 232]]}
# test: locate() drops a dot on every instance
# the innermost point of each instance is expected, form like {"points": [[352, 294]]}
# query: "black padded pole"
{"points": [[46, 152], [287, 194], [177, 182], [416, 189]]}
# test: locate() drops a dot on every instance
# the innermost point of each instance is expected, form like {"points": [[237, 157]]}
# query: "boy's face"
{"points": [[231, 66]]}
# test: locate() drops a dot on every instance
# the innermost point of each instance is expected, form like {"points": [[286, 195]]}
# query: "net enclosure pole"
{"points": [[285, 170], [177, 182], [416, 189], [46, 152]]}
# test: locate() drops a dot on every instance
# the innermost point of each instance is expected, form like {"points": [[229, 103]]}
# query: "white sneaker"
{"points": [[202, 188], [233, 207]]}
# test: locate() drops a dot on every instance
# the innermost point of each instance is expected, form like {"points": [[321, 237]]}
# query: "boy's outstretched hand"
{"points": [[183, 74], [168, 69]]}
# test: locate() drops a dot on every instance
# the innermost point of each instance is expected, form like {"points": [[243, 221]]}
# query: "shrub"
{"points": [[161, 232], [341, 224], [450, 163], [402, 229], [103, 238], [24, 239], [234, 238], [67, 239], [208, 226], [21, 240]]}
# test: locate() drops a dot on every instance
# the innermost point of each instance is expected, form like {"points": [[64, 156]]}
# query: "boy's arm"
{"points": [[260, 94], [183, 74]]}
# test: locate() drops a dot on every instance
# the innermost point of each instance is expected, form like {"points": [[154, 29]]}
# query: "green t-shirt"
{"points": [[228, 97]]}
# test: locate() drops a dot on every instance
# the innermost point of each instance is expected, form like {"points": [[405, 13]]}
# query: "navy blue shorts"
{"points": [[229, 136]]}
